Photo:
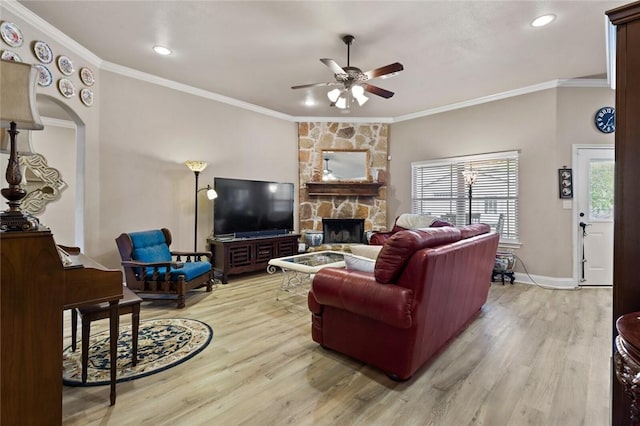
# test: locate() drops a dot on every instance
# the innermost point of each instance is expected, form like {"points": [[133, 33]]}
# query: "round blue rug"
{"points": [[162, 344]]}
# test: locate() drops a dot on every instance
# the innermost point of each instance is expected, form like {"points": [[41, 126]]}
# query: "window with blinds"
{"points": [[439, 189]]}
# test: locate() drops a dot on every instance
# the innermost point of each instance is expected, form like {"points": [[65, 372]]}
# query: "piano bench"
{"points": [[129, 304]]}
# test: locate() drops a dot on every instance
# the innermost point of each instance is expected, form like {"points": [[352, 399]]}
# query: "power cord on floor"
{"points": [[546, 287]]}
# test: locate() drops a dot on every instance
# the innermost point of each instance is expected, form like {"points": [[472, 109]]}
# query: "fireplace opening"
{"points": [[342, 231]]}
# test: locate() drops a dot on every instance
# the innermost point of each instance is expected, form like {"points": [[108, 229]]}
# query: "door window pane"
{"points": [[601, 190]]}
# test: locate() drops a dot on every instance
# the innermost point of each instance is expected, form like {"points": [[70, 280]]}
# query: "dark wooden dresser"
{"points": [[626, 228], [239, 255]]}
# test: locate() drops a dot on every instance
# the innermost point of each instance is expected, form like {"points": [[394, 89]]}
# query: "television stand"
{"points": [[240, 255]]}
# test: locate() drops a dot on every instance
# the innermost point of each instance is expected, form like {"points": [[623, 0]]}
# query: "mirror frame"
{"points": [[367, 167], [48, 187]]}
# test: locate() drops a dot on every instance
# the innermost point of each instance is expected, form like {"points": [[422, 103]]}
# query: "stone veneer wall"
{"points": [[315, 137]]}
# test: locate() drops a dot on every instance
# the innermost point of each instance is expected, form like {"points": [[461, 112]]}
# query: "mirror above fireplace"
{"points": [[345, 165]]}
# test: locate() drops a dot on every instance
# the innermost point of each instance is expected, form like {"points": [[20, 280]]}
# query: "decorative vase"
{"points": [[312, 239]]}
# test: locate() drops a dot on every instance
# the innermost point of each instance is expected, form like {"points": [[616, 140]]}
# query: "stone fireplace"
{"points": [[342, 231], [315, 137]]}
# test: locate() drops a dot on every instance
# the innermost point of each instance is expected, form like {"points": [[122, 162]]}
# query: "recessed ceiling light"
{"points": [[543, 20], [161, 50], [309, 102]]}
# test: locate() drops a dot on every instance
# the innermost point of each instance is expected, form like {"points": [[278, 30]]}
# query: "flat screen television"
{"points": [[250, 208]]}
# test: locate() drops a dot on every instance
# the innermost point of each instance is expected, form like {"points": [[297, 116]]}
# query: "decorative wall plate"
{"points": [[45, 79], [86, 96], [65, 65], [11, 34], [43, 52], [65, 86], [8, 55], [86, 75]]}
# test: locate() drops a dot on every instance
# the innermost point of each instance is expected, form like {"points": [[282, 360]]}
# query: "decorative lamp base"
{"points": [[18, 221]]}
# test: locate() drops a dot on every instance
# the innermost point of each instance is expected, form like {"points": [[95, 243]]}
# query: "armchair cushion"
{"points": [[150, 246], [190, 270]]}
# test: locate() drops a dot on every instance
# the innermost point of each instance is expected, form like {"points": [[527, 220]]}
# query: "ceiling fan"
{"points": [[351, 81]]}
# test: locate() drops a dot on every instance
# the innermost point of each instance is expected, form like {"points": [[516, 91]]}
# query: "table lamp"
{"points": [[17, 111]]}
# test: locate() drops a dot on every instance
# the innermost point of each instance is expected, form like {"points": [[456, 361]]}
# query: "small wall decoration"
{"points": [[45, 79], [11, 34], [565, 180], [65, 65], [43, 52], [66, 87], [8, 55], [86, 75]]}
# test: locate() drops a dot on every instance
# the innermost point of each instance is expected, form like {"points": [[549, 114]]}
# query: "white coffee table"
{"points": [[299, 269]]}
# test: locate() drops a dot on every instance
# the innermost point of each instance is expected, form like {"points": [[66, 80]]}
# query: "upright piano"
{"points": [[35, 288]]}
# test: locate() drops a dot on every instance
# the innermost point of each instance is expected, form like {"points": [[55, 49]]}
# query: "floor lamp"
{"points": [[470, 178], [196, 167], [17, 111]]}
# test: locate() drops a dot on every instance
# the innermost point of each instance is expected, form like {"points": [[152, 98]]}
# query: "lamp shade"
{"points": [[470, 177], [196, 166], [23, 142], [18, 96]]}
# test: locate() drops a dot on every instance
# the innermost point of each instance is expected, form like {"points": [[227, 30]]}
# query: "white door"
{"points": [[593, 184]]}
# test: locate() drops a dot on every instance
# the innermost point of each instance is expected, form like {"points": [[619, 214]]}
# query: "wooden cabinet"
{"points": [[626, 229], [250, 254], [32, 290]]}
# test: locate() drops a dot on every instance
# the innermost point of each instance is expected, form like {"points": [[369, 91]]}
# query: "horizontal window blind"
{"points": [[439, 189]]}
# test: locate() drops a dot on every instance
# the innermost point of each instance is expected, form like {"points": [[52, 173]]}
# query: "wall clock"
{"points": [[606, 119]]}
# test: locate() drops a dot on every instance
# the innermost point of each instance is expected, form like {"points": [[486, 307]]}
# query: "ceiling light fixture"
{"points": [[342, 97], [543, 20], [161, 50]]}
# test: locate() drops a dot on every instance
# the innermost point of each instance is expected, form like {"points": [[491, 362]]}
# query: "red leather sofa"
{"points": [[427, 286]]}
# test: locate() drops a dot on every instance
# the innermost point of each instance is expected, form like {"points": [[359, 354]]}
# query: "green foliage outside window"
{"points": [[601, 189]]}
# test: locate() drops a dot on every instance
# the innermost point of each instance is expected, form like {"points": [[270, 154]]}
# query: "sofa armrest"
{"points": [[378, 238], [358, 292]]}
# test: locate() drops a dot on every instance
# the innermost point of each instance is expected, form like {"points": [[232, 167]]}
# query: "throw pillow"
{"points": [[364, 250], [359, 263]]}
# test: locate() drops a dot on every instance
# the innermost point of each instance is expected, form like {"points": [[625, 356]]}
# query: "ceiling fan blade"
{"points": [[337, 69], [394, 68], [378, 91], [304, 86]]}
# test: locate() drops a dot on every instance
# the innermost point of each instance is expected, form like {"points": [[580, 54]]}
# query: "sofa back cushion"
{"points": [[469, 231], [400, 247], [150, 246]]}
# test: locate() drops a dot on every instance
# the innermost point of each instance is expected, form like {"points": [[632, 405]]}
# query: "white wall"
{"points": [[58, 145], [543, 126], [146, 134]]}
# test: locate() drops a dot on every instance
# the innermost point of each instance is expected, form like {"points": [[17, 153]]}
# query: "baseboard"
{"points": [[547, 282]]}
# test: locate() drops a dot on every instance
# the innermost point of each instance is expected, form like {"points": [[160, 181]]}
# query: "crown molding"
{"points": [[60, 37], [160, 81], [576, 82], [19, 10]]}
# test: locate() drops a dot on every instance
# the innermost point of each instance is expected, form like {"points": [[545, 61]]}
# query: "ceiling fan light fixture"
{"points": [[358, 94], [333, 95], [341, 102]]}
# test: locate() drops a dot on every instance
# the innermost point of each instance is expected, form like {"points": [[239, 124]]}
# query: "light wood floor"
{"points": [[532, 357]]}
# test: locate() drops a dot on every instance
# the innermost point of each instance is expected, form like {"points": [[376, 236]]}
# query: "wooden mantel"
{"points": [[363, 189]]}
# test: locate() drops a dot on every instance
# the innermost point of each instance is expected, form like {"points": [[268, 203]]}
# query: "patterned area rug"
{"points": [[162, 344]]}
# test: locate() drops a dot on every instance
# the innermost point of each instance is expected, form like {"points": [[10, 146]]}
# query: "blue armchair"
{"points": [[151, 268]]}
